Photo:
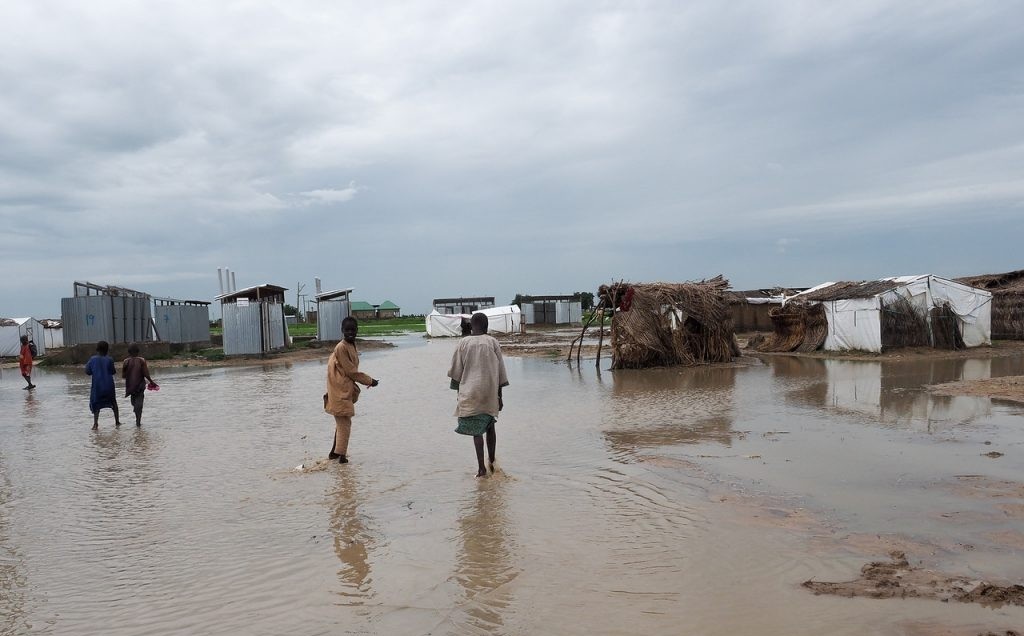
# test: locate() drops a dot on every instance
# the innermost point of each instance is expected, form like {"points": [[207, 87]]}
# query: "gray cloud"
{"points": [[414, 150]]}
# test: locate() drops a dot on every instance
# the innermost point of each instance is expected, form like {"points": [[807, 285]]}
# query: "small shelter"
{"points": [[500, 320], [552, 310], [105, 312], [750, 308], [181, 321], [388, 309], [663, 324], [11, 331], [331, 308], [901, 311], [1007, 302], [463, 305], [363, 310], [53, 332], [253, 320]]}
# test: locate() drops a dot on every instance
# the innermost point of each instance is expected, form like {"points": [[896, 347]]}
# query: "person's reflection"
{"points": [[31, 407], [352, 540], [484, 561]]}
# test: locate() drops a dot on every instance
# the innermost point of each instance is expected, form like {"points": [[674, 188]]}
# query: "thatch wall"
{"points": [[903, 324], [946, 328], [663, 324], [796, 326], [1007, 302]]}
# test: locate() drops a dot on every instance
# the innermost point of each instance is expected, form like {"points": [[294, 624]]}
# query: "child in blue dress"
{"points": [[103, 395]]}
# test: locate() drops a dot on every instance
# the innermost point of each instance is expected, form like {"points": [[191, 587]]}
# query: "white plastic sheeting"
{"points": [[857, 323], [507, 319], [10, 336]]}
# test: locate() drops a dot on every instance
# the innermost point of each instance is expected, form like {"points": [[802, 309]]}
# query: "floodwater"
{"points": [[670, 501]]}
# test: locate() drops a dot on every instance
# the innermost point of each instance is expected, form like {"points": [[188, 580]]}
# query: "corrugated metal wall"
{"points": [[330, 313], [89, 319], [553, 312], [183, 323], [274, 333], [252, 329]]}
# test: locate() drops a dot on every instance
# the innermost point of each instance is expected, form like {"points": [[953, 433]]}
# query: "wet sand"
{"points": [[664, 501]]}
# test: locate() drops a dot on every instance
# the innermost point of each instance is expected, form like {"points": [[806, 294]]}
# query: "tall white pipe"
{"points": [[317, 280], [234, 287], [220, 280]]}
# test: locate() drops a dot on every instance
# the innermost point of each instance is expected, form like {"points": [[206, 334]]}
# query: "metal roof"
{"points": [[387, 304], [360, 305], [569, 297], [254, 292], [334, 294], [462, 299], [178, 301]]}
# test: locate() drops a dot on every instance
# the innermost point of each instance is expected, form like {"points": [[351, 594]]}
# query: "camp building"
{"points": [[462, 305], [253, 320]]}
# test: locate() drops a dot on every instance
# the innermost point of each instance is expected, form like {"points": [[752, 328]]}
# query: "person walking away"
{"points": [[103, 394], [477, 372], [343, 380], [135, 372], [25, 363]]}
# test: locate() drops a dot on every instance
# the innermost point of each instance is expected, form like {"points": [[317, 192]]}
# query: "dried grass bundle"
{"points": [[796, 326], [903, 324], [1008, 315], [662, 324], [946, 328]]}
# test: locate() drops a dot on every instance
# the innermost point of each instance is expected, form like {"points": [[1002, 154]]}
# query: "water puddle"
{"points": [[626, 502]]}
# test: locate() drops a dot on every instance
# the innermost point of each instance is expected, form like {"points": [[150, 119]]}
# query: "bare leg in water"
{"points": [[478, 442], [492, 442]]}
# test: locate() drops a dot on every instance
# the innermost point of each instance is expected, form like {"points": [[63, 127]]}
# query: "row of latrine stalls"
{"points": [[122, 315]]}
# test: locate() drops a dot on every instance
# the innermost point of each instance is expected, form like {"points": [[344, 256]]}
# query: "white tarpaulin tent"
{"points": [[11, 331], [500, 320], [855, 322]]}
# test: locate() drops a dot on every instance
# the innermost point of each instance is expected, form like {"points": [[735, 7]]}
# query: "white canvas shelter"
{"points": [[855, 323], [11, 331], [500, 320]]}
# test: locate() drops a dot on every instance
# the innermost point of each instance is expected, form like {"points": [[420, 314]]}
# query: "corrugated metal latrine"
{"points": [[89, 319], [330, 313], [182, 323], [252, 328]]}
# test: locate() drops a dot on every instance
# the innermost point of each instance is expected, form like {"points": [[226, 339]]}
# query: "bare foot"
{"points": [[117, 424], [342, 459], [333, 455], [492, 467], [482, 472], [95, 427]]}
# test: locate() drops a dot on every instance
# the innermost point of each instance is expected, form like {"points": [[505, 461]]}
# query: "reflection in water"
{"points": [[484, 562], [352, 540], [663, 407], [31, 407], [890, 391]]}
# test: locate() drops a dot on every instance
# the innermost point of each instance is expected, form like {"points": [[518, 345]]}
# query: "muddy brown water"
{"points": [[670, 501]]}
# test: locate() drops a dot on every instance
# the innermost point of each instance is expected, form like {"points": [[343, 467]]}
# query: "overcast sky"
{"points": [[419, 150]]}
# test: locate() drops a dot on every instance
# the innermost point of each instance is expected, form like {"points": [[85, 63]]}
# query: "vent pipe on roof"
{"points": [[234, 287], [220, 280], [317, 281]]}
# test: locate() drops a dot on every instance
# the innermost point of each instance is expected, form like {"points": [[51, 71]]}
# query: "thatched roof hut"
{"points": [[1007, 302], [901, 311], [662, 324]]}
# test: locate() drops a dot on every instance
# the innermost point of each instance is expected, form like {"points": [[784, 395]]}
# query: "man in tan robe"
{"points": [[477, 372], [342, 388]]}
